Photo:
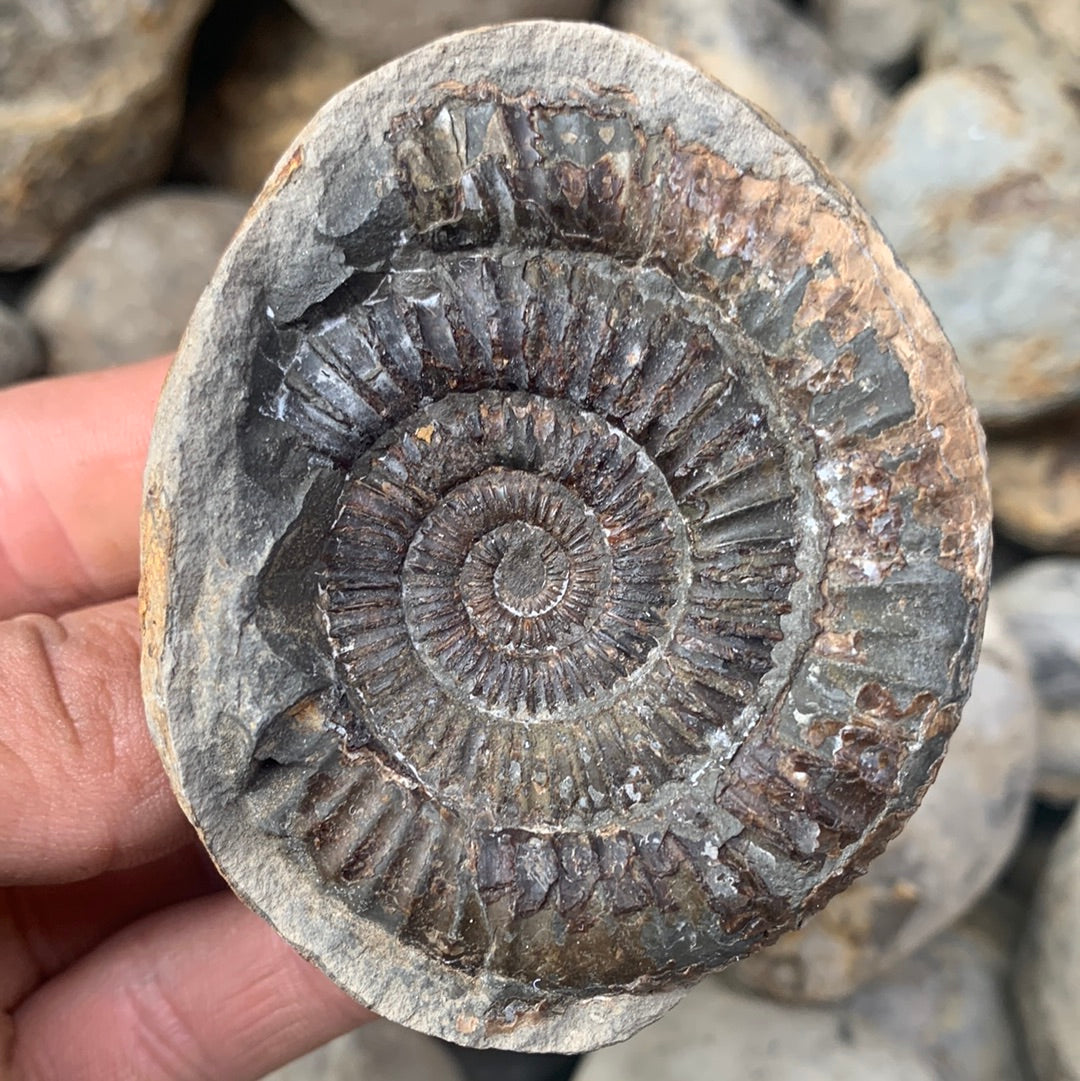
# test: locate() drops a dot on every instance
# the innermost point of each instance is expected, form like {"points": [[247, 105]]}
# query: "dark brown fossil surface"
{"points": [[565, 540]]}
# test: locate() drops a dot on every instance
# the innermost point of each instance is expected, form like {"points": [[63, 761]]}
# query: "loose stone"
{"points": [[90, 102], [125, 288], [1041, 603], [21, 355]]}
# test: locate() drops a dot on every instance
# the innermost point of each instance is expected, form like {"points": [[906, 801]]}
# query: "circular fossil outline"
{"points": [[929, 482]]}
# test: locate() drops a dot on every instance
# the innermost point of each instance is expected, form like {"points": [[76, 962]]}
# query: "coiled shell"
{"points": [[566, 538]]}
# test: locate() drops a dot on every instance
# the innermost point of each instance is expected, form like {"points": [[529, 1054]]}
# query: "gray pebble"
{"points": [[20, 350], [1041, 603], [125, 288]]}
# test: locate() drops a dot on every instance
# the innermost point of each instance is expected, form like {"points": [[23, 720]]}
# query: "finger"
{"points": [[201, 992], [83, 789], [72, 452], [44, 929]]}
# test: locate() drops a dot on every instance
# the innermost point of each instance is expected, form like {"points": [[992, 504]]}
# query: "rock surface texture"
{"points": [[125, 288], [975, 178], [875, 33], [283, 72], [565, 539], [771, 56], [1035, 482], [947, 856], [952, 1003], [21, 355], [379, 1051], [380, 30], [1041, 604], [90, 101], [719, 1033], [1048, 984]]}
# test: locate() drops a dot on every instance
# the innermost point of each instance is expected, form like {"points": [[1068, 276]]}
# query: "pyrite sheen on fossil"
{"points": [[565, 539]]}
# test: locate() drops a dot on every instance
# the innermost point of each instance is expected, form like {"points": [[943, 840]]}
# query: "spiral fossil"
{"points": [[565, 540]]}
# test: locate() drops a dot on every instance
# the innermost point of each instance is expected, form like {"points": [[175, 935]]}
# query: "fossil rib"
{"points": [[565, 541]]}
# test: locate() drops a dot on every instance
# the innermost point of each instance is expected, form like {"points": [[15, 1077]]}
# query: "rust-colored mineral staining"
{"points": [[578, 566]]}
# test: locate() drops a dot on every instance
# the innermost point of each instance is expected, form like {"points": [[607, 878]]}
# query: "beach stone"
{"points": [[946, 857], [90, 102], [377, 1051], [125, 288], [1035, 481], [975, 178], [1048, 975], [771, 56], [282, 73], [951, 1002], [875, 33], [378, 31], [20, 350], [1041, 603], [720, 1032]]}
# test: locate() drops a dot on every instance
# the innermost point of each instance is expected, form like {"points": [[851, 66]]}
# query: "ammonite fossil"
{"points": [[565, 539]]}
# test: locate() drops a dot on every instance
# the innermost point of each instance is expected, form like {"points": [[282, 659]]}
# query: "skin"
{"points": [[122, 955]]}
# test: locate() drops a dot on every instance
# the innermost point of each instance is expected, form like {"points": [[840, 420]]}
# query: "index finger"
{"points": [[72, 451]]}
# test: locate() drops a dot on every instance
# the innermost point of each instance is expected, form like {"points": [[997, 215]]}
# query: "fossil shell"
{"points": [[566, 538]]}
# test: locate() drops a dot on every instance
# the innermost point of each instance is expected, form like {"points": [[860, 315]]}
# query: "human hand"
{"points": [[122, 955]]}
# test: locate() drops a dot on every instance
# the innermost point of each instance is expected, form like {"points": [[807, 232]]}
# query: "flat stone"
{"points": [[771, 56], [377, 1051], [379, 32], [1041, 604], [125, 288], [1048, 975], [951, 1001], [90, 102], [1035, 483], [875, 33], [717, 1031], [946, 857], [21, 355], [282, 73], [975, 177]]}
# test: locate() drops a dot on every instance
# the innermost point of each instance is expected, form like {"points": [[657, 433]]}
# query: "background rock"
{"points": [[768, 54], [90, 101], [126, 287], [1035, 481], [975, 178], [1048, 980], [20, 350], [943, 860], [1041, 604], [716, 1032], [379, 31], [281, 74], [951, 1001], [378, 1051], [875, 33]]}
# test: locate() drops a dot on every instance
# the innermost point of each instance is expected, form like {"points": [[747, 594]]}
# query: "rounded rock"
{"points": [[1035, 484], [90, 102], [125, 288], [772, 57], [945, 858], [973, 175], [754, 1038], [875, 34], [951, 1001], [282, 73], [1048, 976], [565, 525], [1040, 601], [21, 356], [380, 31]]}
